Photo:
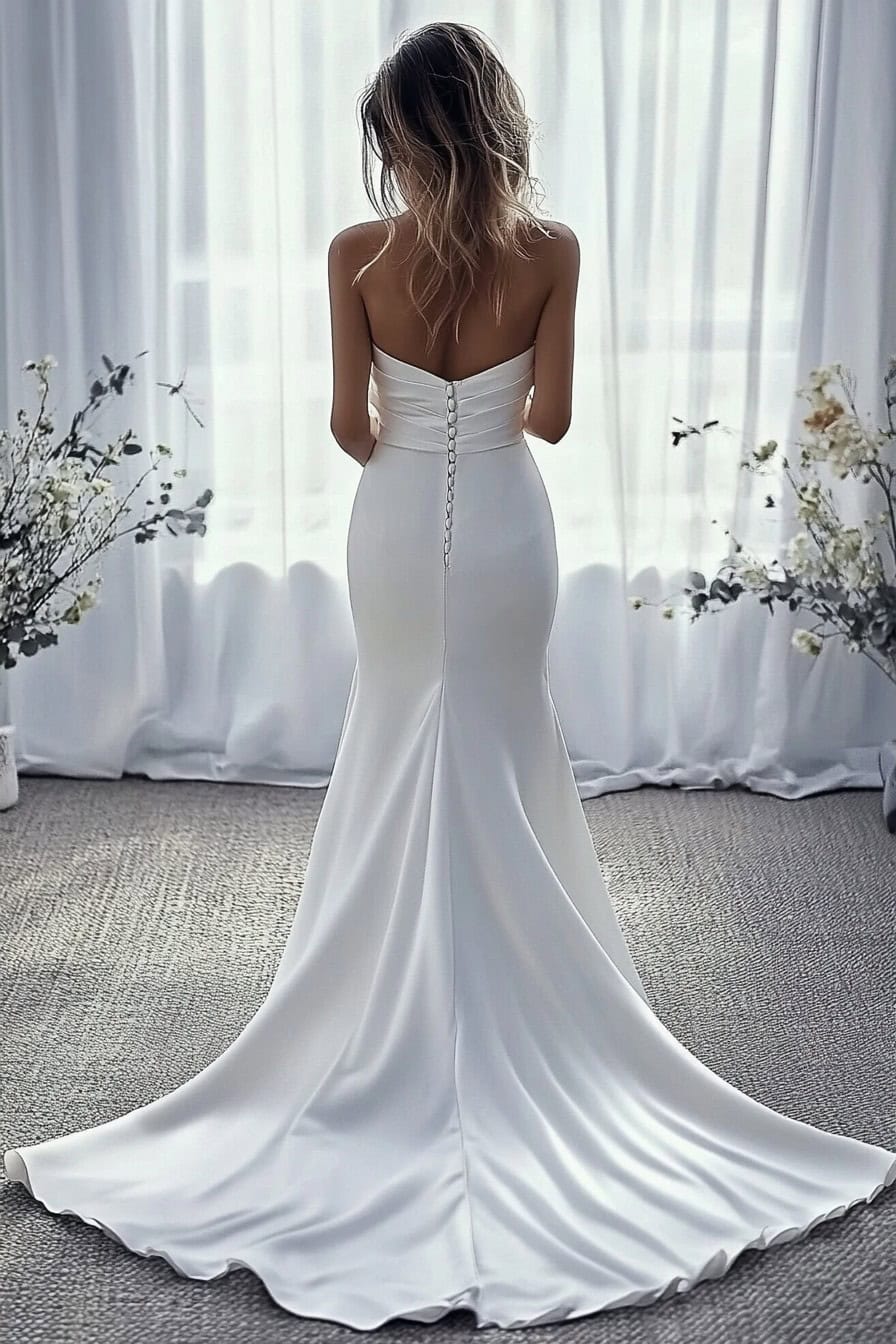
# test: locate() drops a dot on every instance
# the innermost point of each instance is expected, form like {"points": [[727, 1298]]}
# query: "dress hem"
{"points": [[716, 1267]]}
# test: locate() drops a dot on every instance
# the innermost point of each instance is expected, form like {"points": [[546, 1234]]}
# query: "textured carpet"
{"points": [[141, 922]]}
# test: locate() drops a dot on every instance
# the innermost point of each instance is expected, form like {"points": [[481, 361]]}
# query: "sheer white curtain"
{"points": [[170, 177]]}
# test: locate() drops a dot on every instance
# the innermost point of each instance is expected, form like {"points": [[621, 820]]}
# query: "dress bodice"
{"points": [[418, 409]]}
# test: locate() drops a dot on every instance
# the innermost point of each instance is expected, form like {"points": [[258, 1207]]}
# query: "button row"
{"points": [[451, 418]]}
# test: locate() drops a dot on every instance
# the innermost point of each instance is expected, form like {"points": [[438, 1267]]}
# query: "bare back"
{"points": [[539, 310]]}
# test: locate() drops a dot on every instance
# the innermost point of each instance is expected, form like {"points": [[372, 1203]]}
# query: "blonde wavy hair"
{"points": [[448, 124]]}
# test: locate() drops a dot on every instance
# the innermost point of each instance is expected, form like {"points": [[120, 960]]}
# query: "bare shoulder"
{"points": [[360, 243], [356, 240], [559, 247]]}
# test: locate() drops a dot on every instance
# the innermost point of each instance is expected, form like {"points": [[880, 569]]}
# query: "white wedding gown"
{"points": [[455, 1094]]}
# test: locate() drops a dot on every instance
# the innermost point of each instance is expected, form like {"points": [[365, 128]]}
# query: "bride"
{"points": [[456, 1093]]}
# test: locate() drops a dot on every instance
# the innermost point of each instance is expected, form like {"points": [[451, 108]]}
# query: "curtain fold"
{"points": [[170, 177]]}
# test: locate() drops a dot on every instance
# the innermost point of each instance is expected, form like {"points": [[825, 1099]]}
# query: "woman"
{"points": [[455, 1094]]}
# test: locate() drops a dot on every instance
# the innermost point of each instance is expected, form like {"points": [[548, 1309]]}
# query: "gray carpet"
{"points": [[142, 923]]}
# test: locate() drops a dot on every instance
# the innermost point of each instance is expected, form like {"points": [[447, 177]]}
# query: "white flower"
{"points": [[800, 557], [818, 378], [754, 576], [837, 437], [806, 642], [668, 613], [765, 450], [752, 573], [847, 543], [60, 491], [636, 602]]}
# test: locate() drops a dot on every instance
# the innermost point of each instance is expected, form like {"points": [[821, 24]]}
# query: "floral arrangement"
{"points": [[60, 511], [842, 576]]}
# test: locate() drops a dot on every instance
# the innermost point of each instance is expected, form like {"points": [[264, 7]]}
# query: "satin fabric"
{"points": [[456, 1093]]}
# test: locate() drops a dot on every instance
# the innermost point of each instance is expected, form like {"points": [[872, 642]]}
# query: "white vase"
{"points": [[9, 779]]}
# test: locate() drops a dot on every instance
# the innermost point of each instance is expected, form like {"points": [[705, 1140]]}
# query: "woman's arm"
{"points": [[375, 430]]}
